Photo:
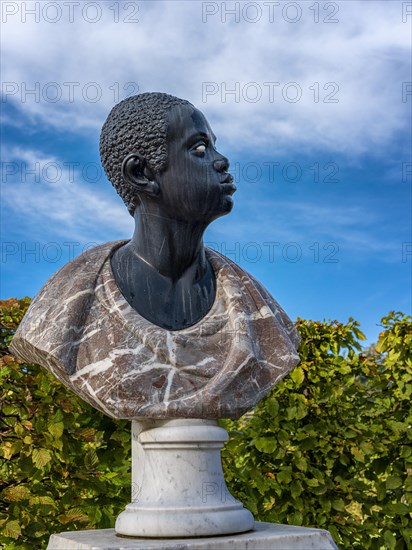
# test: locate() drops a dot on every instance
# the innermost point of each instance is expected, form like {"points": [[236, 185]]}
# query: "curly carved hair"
{"points": [[137, 124]]}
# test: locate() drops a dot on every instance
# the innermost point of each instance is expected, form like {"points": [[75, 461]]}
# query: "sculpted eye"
{"points": [[201, 148]]}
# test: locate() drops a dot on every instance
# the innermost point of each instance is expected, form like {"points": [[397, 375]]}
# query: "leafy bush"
{"points": [[329, 447], [65, 466]]}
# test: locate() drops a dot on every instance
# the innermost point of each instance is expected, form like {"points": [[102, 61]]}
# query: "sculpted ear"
{"points": [[137, 173]]}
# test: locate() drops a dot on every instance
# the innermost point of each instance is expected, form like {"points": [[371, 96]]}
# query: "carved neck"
{"points": [[169, 246]]}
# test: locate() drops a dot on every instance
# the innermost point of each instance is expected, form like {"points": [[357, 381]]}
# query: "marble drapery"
{"points": [[83, 331]]}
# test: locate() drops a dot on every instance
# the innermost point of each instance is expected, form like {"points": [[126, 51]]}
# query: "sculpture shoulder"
{"points": [[257, 293], [66, 296], [89, 262], [248, 280]]}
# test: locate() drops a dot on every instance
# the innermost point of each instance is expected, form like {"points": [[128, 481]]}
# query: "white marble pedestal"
{"points": [[265, 536], [180, 500], [178, 489]]}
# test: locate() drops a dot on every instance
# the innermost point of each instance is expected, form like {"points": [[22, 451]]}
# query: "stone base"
{"points": [[265, 536], [178, 484]]}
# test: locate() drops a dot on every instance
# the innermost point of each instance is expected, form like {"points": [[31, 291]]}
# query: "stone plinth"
{"points": [[265, 536], [178, 489]]}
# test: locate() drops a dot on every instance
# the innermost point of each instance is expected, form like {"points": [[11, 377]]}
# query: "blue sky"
{"points": [[311, 102]]}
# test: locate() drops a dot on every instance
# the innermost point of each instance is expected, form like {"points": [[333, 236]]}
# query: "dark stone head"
{"points": [[138, 123]]}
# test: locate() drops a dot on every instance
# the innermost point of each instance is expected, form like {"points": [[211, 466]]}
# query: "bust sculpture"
{"points": [[167, 333], [159, 326]]}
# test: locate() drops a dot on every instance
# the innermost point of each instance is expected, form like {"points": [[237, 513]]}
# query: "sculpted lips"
{"points": [[228, 184]]}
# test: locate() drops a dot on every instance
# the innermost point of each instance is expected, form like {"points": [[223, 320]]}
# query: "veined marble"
{"points": [[82, 330]]}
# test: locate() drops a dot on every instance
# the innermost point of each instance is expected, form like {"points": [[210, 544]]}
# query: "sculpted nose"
{"points": [[221, 164]]}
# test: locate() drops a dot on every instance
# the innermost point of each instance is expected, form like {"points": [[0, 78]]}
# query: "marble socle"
{"points": [[178, 488]]}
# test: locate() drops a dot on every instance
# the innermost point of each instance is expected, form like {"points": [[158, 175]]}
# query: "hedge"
{"points": [[66, 466], [329, 447]]}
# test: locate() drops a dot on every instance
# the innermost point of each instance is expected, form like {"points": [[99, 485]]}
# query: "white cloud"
{"points": [[366, 54], [54, 199]]}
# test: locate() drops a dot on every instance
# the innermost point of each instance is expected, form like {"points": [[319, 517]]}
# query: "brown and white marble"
{"points": [[82, 330]]}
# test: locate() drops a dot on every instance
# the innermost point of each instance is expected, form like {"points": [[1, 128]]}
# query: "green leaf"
{"points": [[312, 482], [308, 444], [296, 489], [326, 504], [390, 540], [75, 514], [284, 476], [296, 518], [397, 509], [15, 494], [297, 375], [358, 454], [56, 429], [393, 482], [41, 457], [266, 444], [12, 529], [338, 505], [273, 407], [291, 413], [9, 410], [301, 463]]}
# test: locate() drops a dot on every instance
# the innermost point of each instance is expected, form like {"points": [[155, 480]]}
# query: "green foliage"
{"points": [[63, 465], [330, 446]]}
